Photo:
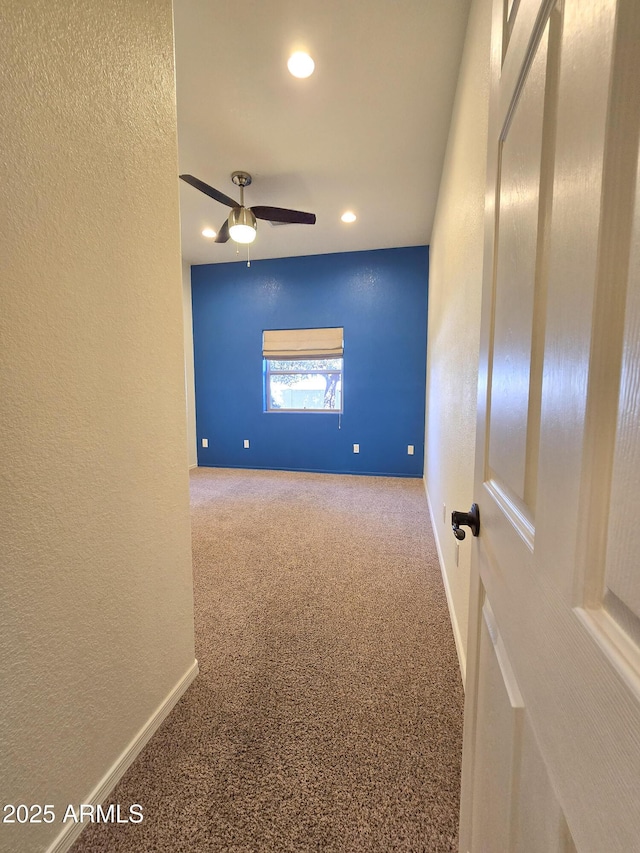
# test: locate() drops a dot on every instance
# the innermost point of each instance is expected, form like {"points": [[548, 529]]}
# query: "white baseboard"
{"points": [[72, 830], [457, 635]]}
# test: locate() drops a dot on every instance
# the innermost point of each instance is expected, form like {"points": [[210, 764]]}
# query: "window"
{"points": [[303, 370], [304, 385]]}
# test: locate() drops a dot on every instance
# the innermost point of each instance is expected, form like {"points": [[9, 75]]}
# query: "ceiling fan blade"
{"points": [[281, 214], [210, 191], [223, 234]]}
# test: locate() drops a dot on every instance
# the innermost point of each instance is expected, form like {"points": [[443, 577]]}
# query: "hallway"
{"points": [[328, 710]]}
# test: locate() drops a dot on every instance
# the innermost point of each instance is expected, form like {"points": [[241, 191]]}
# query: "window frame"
{"points": [[268, 372]]}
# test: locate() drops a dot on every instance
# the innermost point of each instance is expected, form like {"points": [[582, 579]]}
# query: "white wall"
{"points": [[455, 286], [97, 616], [188, 364]]}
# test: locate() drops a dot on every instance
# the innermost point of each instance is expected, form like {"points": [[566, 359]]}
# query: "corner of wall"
{"points": [[455, 295], [98, 629], [188, 365]]}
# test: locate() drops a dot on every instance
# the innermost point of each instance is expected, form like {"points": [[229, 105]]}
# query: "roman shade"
{"points": [[302, 343]]}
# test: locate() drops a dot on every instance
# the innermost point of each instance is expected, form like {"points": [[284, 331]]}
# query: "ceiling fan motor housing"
{"points": [[242, 225]]}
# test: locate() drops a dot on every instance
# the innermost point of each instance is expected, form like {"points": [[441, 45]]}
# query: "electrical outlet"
{"points": [[246, 443], [205, 442], [356, 448], [410, 449]]}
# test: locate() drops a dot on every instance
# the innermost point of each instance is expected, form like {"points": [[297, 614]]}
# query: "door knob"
{"points": [[465, 519]]}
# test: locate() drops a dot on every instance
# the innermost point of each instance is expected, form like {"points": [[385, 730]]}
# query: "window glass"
{"points": [[304, 385]]}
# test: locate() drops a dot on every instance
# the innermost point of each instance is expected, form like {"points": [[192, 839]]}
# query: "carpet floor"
{"points": [[327, 715]]}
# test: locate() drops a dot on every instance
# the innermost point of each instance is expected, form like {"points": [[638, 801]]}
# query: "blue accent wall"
{"points": [[379, 297]]}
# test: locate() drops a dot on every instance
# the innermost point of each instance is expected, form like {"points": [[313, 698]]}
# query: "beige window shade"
{"points": [[302, 343]]}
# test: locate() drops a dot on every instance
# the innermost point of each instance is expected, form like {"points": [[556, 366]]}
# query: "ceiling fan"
{"points": [[241, 223]]}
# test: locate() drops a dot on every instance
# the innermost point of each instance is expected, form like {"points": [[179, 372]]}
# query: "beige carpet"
{"points": [[328, 712]]}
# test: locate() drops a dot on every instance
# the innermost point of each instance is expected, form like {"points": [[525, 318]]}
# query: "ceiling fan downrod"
{"points": [[242, 221], [242, 180]]}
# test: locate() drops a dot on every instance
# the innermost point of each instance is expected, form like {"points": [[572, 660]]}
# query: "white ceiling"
{"points": [[367, 131]]}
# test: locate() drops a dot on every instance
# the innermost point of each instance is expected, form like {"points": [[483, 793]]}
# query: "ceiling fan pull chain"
{"points": [[248, 258]]}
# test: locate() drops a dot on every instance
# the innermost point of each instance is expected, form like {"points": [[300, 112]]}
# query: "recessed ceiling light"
{"points": [[349, 216], [208, 232], [300, 64]]}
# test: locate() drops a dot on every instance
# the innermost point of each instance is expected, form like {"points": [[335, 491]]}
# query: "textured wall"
{"points": [[455, 287], [96, 624], [188, 364], [378, 297]]}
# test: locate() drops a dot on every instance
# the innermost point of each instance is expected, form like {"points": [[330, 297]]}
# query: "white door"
{"points": [[551, 756]]}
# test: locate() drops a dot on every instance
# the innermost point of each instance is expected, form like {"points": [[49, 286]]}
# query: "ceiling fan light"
{"points": [[242, 225], [300, 64]]}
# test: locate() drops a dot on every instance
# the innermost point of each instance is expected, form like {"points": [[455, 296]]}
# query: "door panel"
{"points": [[515, 280], [500, 714], [611, 591], [541, 825], [555, 592], [622, 578]]}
